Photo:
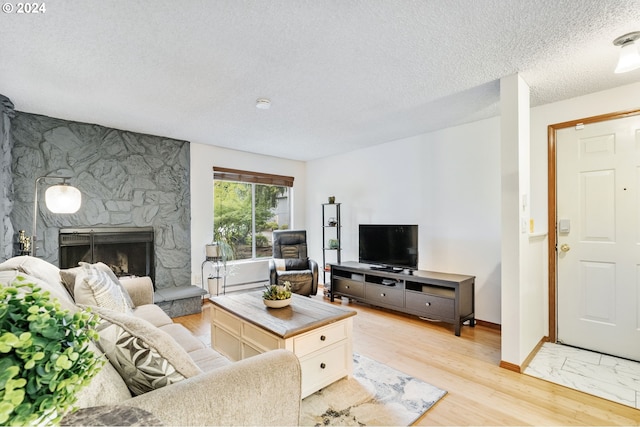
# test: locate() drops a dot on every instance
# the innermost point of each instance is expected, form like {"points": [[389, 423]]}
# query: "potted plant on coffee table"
{"points": [[44, 355], [277, 296]]}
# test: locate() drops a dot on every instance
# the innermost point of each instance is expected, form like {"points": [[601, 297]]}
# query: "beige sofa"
{"points": [[203, 387]]}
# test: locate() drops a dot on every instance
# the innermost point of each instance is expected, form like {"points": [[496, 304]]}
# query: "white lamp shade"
{"points": [[629, 58], [63, 198]]}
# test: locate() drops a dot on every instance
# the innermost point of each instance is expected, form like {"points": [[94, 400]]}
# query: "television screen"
{"points": [[389, 245]]}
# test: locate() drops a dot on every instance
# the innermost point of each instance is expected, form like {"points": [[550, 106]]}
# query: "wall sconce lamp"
{"points": [[59, 198], [629, 55]]}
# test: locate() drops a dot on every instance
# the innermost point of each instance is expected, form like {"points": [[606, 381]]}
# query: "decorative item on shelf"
{"points": [[24, 243], [332, 222], [277, 296], [45, 359], [332, 199], [334, 244]]}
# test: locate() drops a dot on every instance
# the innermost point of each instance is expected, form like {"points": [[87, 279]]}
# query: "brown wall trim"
{"points": [[552, 220], [510, 366], [490, 325], [533, 353]]}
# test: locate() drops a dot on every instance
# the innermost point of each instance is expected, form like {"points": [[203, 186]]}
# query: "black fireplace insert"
{"points": [[128, 251]]}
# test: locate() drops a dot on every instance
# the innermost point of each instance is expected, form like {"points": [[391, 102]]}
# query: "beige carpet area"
{"points": [[375, 395]]}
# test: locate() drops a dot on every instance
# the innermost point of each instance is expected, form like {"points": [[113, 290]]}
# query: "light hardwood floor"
{"points": [[479, 391]]}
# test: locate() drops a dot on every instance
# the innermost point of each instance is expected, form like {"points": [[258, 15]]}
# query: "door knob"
{"points": [[565, 248]]}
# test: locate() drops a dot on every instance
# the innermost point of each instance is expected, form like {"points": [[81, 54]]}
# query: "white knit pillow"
{"points": [[95, 287]]}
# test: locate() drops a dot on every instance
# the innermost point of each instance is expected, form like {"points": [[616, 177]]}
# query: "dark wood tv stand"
{"points": [[434, 296]]}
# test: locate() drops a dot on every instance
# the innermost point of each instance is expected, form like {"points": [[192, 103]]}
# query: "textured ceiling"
{"points": [[341, 74]]}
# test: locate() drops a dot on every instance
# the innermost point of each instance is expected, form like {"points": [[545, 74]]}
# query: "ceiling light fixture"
{"points": [[629, 55], [263, 103]]}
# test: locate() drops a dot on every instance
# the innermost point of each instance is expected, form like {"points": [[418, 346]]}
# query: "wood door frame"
{"points": [[552, 194]]}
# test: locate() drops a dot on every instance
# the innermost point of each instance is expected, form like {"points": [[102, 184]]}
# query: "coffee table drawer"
{"points": [[319, 338], [323, 368]]}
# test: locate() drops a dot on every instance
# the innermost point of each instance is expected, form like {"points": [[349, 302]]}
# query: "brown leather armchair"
{"points": [[291, 263]]}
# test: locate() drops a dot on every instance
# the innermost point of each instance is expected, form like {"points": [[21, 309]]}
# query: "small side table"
{"points": [[111, 415]]}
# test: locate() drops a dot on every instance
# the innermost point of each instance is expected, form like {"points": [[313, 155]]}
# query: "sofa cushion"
{"points": [[106, 388], [112, 276], [96, 287], [57, 292], [140, 289], [68, 277], [183, 337], [152, 314], [146, 357], [208, 359], [32, 266]]}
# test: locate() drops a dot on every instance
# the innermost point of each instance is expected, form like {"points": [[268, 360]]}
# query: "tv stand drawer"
{"points": [[431, 306], [349, 287], [384, 295]]}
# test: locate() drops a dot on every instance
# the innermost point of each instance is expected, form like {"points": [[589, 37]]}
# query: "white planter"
{"points": [[277, 303], [212, 284]]}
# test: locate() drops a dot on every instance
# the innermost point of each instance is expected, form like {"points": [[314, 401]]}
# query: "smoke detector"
{"points": [[263, 104]]}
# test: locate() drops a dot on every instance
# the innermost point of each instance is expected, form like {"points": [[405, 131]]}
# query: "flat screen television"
{"points": [[388, 245]]}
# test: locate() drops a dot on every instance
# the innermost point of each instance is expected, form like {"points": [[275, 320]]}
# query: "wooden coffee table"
{"points": [[319, 333]]}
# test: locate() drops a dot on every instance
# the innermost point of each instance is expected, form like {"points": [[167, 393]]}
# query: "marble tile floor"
{"points": [[598, 374]]}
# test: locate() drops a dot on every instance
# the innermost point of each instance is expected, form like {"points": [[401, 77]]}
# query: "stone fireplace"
{"points": [[127, 179], [128, 251]]}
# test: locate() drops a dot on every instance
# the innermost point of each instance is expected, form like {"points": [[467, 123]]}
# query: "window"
{"points": [[247, 207]]}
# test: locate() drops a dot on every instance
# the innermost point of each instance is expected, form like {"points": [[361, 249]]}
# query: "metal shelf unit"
{"points": [[331, 240]]}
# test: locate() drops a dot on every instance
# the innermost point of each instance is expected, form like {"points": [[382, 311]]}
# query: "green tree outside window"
{"points": [[245, 216]]}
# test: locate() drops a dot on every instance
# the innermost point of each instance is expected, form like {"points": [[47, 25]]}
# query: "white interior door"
{"points": [[598, 183]]}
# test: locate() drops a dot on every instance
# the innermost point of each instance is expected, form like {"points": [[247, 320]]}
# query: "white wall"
{"points": [[203, 158], [447, 182]]}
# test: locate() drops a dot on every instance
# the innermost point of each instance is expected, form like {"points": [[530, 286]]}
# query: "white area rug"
{"points": [[376, 395]]}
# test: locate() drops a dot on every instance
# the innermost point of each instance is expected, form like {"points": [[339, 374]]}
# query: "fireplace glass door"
{"points": [[128, 251]]}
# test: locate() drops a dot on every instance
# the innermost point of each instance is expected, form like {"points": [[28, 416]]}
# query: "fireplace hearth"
{"points": [[128, 251]]}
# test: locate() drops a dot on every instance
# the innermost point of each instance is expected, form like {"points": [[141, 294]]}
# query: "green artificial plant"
{"points": [[277, 292], [44, 355]]}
